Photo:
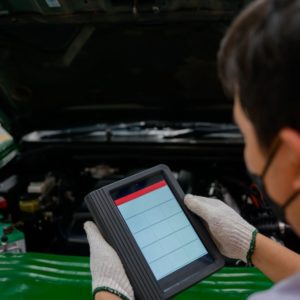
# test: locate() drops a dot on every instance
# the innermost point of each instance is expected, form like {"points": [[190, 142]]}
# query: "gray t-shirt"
{"points": [[288, 289]]}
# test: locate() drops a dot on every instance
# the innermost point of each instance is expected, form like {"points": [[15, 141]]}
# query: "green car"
{"points": [[92, 91]]}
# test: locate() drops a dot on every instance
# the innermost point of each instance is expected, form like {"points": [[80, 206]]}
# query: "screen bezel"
{"points": [[191, 273]]}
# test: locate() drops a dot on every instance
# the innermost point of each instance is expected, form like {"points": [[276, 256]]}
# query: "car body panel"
{"points": [[42, 276]]}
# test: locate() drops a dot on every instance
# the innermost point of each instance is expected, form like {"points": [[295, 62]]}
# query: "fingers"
{"points": [[198, 199], [204, 200], [196, 206], [202, 206], [190, 202]]}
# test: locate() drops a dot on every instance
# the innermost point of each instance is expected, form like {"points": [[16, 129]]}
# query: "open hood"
{"points": [[65, 63]]}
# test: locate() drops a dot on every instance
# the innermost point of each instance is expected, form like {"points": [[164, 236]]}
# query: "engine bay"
{"points": [[45, 185]]}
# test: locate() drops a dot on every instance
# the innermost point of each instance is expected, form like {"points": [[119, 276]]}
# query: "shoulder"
{"points": [[288, 289]]}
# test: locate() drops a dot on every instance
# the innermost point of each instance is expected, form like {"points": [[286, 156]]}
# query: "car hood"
{"points": [[68, 63]]}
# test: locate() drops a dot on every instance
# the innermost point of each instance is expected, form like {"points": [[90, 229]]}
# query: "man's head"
{"points": [[259, 65]]}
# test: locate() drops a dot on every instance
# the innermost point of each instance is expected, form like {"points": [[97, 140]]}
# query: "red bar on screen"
{"points": [[141, 192]]}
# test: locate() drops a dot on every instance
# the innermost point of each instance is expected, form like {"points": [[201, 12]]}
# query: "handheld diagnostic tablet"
{"points": [[164, 248]]}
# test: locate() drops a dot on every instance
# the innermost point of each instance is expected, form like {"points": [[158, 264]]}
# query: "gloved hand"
{"points": [[234, 236], [107, 270]]}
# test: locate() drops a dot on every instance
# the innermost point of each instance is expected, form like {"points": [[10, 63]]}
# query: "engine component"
{"points": [[50, 201], [8, 184], [41, 187], [12, 240], [218, 191], [29, 206], [101, 171]]}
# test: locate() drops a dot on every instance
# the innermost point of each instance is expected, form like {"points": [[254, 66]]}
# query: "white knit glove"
{"points": [[234, 236], [107, 270]]}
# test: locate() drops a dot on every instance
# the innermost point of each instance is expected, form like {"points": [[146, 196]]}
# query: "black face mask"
{"points": [[279, 211]]}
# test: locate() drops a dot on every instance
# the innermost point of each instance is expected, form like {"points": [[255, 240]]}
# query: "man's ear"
{"points": [[291, 139]]}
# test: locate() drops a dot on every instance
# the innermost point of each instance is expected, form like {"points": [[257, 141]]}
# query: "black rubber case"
{"points": [[115, 230]]}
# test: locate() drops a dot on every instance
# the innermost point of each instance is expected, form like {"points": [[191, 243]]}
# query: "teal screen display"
{"points": [[160, 227]]}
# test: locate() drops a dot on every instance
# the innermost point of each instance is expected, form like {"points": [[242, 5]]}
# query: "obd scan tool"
{"points": [[164, 247]]}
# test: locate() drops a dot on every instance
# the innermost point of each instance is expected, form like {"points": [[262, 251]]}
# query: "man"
{"points": [[259, 65]]}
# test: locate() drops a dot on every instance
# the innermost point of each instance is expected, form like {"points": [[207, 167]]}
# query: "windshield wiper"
{"points": [[96, 130], [209, 130], [73, 132], [164, 130]]}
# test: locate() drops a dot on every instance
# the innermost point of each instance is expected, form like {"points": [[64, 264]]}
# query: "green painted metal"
{"points": [[33, 276], [8, 151]]}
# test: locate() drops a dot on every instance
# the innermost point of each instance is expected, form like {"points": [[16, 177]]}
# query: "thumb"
{"points": [[199, 205], [92, 232]]}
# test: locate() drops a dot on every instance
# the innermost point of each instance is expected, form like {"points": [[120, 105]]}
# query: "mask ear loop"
{"points": [[290, 200], [270, 159]]}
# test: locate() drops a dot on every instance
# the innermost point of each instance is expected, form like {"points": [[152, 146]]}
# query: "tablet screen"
{"points": [[160, 227]]}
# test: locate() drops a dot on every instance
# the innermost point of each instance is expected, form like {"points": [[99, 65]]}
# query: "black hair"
{"points": [[259, 58]]}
